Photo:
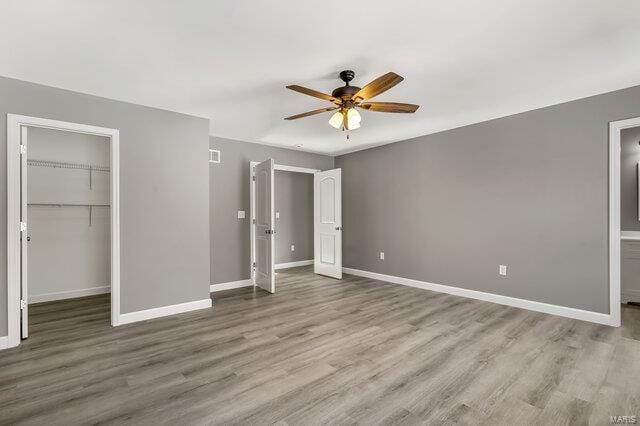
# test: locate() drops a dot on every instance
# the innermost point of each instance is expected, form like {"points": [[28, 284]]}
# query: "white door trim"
{"points": [[14, 123], [252, 212], [295, 169], [615, 129]]}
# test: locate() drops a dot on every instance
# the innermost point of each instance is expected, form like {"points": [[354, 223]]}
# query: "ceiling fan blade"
{"points": [[314, 93], [377, 86], [314, 112], [389, 107]]}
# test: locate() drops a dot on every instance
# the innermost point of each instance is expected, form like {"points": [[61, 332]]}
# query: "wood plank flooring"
{"points": [[321, 351]]}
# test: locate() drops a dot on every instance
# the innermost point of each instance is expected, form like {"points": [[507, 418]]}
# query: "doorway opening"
{"points": [[62, 219], [318, 211], [624, 222]]}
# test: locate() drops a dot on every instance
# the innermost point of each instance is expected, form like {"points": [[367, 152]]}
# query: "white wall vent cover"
{"points": [[214, 156]]}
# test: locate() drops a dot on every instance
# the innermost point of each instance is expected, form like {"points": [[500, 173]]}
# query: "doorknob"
{"points": [[269, 231], [28, 238]]}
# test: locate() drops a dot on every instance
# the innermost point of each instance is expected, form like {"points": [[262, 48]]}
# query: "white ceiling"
{"points": [[229, 61]]}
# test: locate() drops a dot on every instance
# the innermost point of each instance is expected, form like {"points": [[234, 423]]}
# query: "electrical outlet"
{"points": [[381, 255], [240, 214], [293, 248], [502, 270]]}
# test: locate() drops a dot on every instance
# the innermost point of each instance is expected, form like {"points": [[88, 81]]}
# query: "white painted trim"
{"points": [[14, 122], [230, 285], [69, 294], [252, 218], [294, 264], [164, 311], [490, 297], [630, 235], [4, 342], [284, 168], [615, 129]]}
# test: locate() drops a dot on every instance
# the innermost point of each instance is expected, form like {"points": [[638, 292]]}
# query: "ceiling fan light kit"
{"points": [[347, 98]]}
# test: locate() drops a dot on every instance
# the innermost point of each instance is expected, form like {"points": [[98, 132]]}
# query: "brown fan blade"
{"points": [[389, 107], [377, 86], [314, 112], [314, 93]]}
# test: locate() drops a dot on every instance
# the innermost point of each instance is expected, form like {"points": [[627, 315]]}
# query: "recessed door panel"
{"points": [[327, 200], [328, 249]]}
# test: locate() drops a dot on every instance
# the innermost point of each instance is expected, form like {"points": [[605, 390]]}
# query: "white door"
{"points": [[327, 220], [264, 229], [24, 305]]}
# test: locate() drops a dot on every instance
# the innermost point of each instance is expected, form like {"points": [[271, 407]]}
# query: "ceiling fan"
{"points": [[347, 98]]}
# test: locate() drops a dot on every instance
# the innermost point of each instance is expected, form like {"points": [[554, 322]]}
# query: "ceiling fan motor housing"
{"points": [[346, 92]]}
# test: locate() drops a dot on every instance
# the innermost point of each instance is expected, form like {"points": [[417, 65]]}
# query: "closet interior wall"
{"points": [[293, 197], [68, 193]]}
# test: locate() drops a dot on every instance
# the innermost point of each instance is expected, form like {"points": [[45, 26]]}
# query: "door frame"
{"points": [[252, 212], [615, 130], [14, 124]]}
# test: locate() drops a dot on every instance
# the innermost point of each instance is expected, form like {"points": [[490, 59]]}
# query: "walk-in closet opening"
{"points": [[63, 225], [68, 237]]}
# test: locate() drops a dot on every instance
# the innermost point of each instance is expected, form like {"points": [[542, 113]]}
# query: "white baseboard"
{"points": [[230, 285], [164, 311], [546, 308], [70, 294], [4, 342], [294, 264]]}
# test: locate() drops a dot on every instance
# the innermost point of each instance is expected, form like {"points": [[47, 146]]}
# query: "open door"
{"points": [[327, 219], [264, 228], [24, 301]]}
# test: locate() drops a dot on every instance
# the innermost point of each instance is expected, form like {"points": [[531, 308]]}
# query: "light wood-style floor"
{"points": [[321, 351]]}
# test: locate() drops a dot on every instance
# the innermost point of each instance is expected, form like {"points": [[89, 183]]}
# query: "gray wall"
{"points": [[164, 191], [528, 191], [294, 203], [229, 183], [630, 157]]}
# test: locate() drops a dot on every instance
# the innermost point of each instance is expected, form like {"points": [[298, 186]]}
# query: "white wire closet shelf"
{"points": [[61, 165], [74, 166]]}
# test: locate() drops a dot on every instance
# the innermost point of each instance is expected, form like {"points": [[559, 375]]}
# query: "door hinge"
{"points": [[253, 221], [254, 264], [23, 304], [253, 178], [23, 149], [23, 226], [270, 231]]}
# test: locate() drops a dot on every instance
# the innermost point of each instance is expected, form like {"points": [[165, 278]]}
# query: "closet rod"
{"points": [[60, 165]]}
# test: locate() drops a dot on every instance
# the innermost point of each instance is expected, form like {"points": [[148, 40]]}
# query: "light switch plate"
{"points": [[277, 215], [293, 248], [502, 270], [381, 255], [240, 214]]}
